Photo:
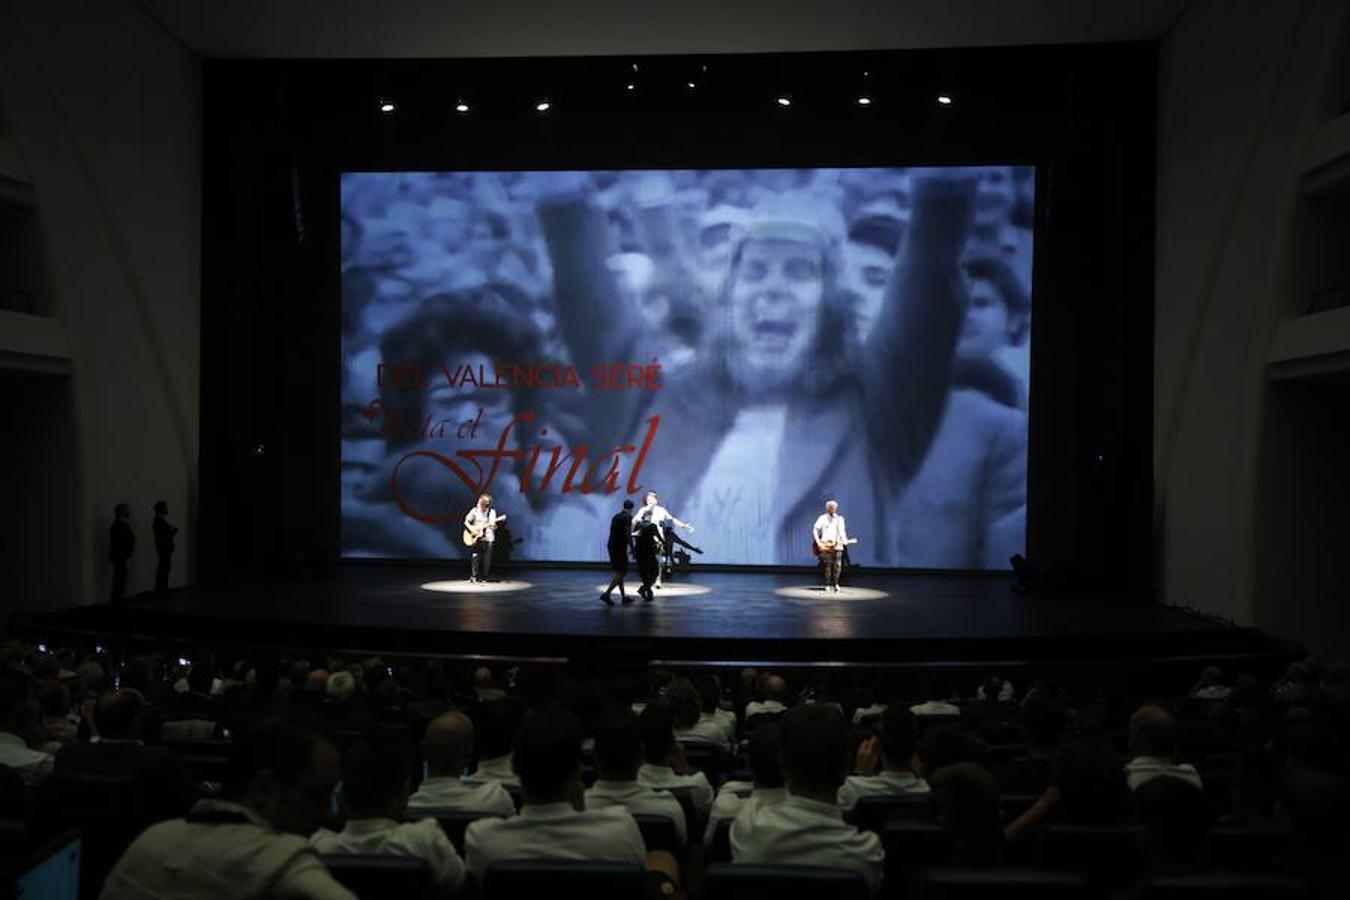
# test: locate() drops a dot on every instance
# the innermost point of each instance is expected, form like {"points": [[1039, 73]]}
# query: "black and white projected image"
{"points": [[746, 343]]}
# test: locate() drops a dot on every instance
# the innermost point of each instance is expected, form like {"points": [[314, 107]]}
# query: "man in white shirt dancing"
{"points": [[829, 536], [652, 515], [481, 522]]}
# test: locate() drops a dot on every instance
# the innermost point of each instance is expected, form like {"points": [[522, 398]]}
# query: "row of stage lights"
{"points": [[387, 106]]}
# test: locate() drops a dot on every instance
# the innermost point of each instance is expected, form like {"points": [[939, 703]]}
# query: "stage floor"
{"points": [[743, 615]]}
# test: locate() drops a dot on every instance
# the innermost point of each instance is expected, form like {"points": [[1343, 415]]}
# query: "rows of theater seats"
{"points": [[1262, 759]]}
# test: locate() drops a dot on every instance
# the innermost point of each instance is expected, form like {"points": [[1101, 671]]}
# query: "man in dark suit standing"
{"points": [[164, 533], [620, 538], [156, 773], [121, 544]]}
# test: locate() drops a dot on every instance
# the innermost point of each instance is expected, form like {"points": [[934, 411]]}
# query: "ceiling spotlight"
{"points": [[864, 101], [543, 106], [785, 101], [691, 85], [635, 67], [386, 106], [944, 99], [461, 107], [630, 86]]}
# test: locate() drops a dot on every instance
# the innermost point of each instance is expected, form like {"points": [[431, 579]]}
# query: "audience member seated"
{"points": [[892, 749], [554, 823], [619, 755], [60, 723], [868, 705], [1210, 686], [1175, 819], [710, 695], [375, 799], [1044, 719], [1152, 749], [253, 842], [483, 688], [21, 729], [936, 699], [686, 714], [665, 765], [807, 828], [970, 811], [1316, 803], [767, 787], [947, 744], [1087, 788], [497, 724], [159, 775], [771, 696], [447, 748]]}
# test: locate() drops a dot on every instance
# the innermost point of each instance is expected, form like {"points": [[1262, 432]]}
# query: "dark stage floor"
{"points": [[747, 615]]}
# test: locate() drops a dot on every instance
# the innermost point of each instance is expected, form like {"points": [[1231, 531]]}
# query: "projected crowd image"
{"points": [[747, 344]]}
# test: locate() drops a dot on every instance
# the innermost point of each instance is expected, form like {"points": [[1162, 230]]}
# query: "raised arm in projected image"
{"points": [[781, 404]]}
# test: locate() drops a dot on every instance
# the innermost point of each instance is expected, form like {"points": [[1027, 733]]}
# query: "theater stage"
{"points": [[702, 615]]}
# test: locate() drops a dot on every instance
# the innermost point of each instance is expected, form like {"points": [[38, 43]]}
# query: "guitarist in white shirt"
{"points": [[829, 537], [480, 530]]}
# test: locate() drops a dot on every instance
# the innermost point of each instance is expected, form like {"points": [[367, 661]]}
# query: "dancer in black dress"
{"points": [[620, 539], [647, 549]]}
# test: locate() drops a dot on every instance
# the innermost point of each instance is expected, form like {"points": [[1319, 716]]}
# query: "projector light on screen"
{"points": [[746, 343]]}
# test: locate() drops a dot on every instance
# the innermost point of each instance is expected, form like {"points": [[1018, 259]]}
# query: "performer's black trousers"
{"points": [[481, 561], [162, 573], [119, 585], [830, 565]]}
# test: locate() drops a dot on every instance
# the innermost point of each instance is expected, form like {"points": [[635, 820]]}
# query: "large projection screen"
{"points": [[747, 343]]}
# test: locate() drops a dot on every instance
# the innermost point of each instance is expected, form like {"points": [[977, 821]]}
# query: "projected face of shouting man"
{"points": [[776, 292]]}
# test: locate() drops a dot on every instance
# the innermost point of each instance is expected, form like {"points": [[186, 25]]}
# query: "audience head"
{"points": [[1153, 732], [1211, 675], [54, 698], [119, 715], [447, 745], [765, 755], [547, 757], [121, 511], [658, 734], [482, 678], [947, 744], [316, 682], [619, 749], [684, 704], [899, 736], [970, 810], [1090, 777], [1175, 817], [814, 750], [709, 693], [19, 710], [496, 727], [161, 508], [1044, 716], [374, 782], [341, 686], [283, 771], [775, 688]]}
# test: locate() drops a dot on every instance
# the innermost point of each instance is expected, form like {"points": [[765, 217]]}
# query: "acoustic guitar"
{"points": [[830, 546], [473, 532]]}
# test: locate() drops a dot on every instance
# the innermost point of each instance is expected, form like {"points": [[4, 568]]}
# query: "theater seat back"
{"points": [[374, 877], [739, 881], [513, 879]]}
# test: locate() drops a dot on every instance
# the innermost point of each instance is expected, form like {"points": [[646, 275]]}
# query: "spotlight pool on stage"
{"points": [[465, 586], [666, 590], [818, 592]]}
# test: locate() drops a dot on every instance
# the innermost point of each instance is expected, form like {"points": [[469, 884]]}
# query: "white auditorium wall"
{"points": [[1242, 88], [105, 109]]}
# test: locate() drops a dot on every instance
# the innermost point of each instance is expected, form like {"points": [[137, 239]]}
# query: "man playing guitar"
{"points": [[829, 537], [480, 530]]}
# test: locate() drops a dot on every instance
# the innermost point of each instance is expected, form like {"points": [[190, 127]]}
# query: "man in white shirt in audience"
{"points": [[892, 749], [686, 713], [20, 721], [808, 827], [447, 748], [766, 789], [618, 755], [375, 797], [1153, 745], [710, 693], [775, 695], [497, 724], [279, 784], [665, 765], [554, 823]]}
